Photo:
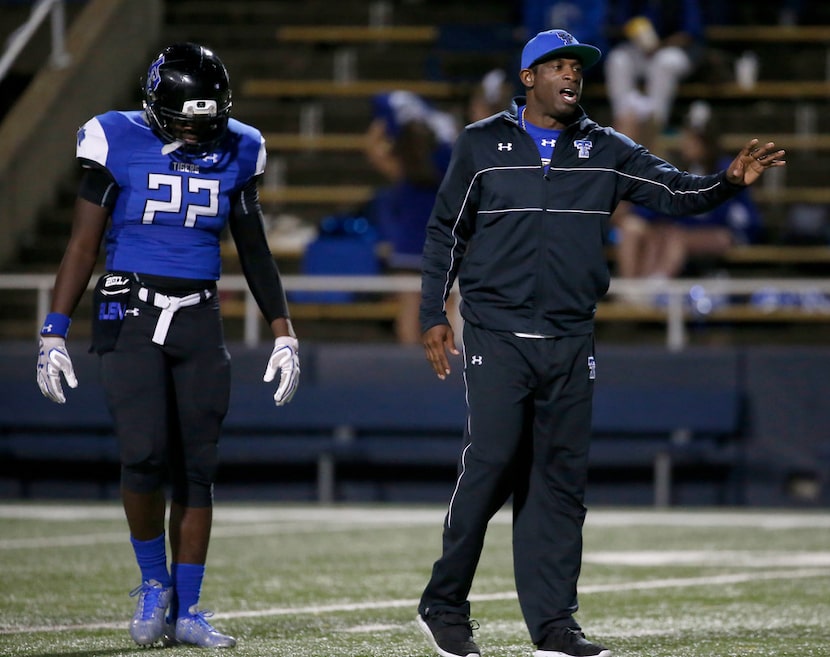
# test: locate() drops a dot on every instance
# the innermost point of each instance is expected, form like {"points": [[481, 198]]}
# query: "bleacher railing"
{"points": [[681, 300], [55, 10]]}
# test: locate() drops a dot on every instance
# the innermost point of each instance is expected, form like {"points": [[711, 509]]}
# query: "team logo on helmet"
{"points": [[153, 75]]}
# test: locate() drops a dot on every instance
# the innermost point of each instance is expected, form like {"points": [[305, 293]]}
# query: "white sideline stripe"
{"points": [[732, 558], [241, 514], [236, 531], [227, 531], [676, 582], [233, 520]]}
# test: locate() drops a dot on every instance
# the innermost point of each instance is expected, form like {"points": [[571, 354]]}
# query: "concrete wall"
{"points": [[110, 42]]}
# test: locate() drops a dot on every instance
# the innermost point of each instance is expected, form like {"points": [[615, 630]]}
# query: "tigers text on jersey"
{"points": [[168, 203]]}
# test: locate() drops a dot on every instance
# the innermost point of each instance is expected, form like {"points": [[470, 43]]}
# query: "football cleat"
{"points": [[195, 630], [148, 623]]}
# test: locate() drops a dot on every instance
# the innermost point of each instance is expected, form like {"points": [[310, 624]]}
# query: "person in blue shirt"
{"points": [[167, 179], [409, 142]]}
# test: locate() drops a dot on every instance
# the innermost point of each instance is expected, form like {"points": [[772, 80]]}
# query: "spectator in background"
{"points": [[661, 44], [491, 96], [409, 142], [654, 246]]}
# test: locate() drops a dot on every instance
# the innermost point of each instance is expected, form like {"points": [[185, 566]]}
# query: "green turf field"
{"points": [[344, 581]]}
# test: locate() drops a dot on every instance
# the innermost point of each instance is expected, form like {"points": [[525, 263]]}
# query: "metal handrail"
{"points": [[675, 292], [20, 37]]}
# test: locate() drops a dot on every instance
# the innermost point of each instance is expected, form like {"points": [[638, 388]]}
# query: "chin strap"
{"points": [[172, 146]]}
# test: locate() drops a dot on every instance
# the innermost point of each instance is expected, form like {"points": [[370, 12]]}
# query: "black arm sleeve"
{"points": [[98, 186], [258, 265]]}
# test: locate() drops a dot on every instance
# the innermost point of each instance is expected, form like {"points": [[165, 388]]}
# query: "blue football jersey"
{"points": [[171, 208]]}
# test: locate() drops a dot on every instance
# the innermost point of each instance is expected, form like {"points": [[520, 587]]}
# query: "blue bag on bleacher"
{"points": [[346, 246]]}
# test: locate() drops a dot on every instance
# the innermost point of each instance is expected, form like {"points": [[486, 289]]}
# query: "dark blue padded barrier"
{"points": [[646, 410], [667, 427], [380, 423], [32, 428], [669, 409], [788, 420], [382, 405]]}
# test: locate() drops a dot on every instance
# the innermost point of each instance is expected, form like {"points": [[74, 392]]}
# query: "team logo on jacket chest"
{"points": [[583, 148]]}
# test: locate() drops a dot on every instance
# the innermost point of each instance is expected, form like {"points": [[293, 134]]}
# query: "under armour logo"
{"points": [[477, 360], [131, 311], [548, 142], [47, 328], [506, 147], [583, 148], [213, 157]]}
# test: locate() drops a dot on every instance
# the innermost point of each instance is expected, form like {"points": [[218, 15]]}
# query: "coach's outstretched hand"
{"points": [[752, 161], [52, 361], [284, 359]]}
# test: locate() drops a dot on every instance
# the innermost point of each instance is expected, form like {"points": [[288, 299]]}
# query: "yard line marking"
{"points": [[617, 587], [234, 531], [732, 558], [62, 541], [762, 519]]}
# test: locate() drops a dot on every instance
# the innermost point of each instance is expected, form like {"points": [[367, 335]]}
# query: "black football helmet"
{"points": [[187, 97]]}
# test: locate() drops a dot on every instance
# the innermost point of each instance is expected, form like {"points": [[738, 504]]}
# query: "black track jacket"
{"points": [[528, 247]]}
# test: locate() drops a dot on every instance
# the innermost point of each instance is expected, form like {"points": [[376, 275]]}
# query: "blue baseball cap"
{"points": [[558, 43]]}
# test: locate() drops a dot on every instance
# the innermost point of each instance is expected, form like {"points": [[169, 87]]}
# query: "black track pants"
{"points": [[527, 435]]}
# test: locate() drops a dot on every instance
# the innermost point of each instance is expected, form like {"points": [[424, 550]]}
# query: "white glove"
{"points": [[52, 360], [285, 359]]}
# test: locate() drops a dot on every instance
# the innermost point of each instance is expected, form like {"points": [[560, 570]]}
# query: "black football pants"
{"points": [[168, 402]]}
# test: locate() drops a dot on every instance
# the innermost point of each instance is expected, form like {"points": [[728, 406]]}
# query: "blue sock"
{"points": [[188, 586], [152, 560]]}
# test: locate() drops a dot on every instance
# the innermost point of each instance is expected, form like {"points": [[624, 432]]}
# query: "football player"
{"points": [[167, 179]]}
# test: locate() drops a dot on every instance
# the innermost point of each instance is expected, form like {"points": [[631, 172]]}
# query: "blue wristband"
{"points": [[56, 324]]}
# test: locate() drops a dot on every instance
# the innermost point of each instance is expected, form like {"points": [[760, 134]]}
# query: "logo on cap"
{"points": [[565, 37]]}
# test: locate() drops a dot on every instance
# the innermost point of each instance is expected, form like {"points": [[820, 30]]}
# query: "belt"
{"points": [[169, 307]]}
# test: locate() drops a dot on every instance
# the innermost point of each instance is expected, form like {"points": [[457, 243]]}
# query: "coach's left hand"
{"points": [[752, 161]]}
